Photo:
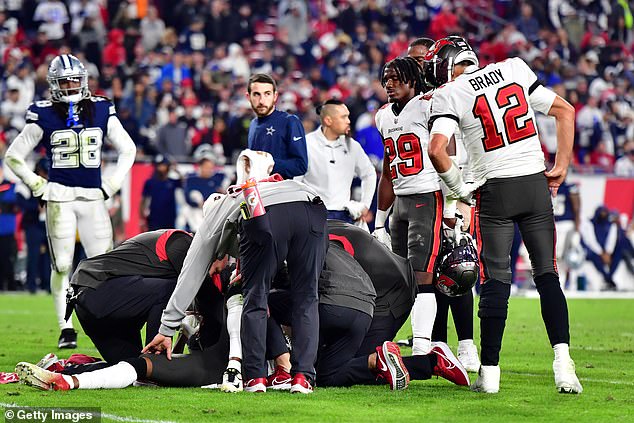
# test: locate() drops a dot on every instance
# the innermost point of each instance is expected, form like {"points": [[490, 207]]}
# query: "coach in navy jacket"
{"points": [[276, 132]]}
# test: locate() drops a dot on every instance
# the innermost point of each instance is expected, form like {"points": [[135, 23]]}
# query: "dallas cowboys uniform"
{"points": [[75, 190]]}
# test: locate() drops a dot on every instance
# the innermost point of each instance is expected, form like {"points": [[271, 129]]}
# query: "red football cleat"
{"points": [[255, 385], [280, 380], [390, 366], [300, 384], [39, 378], [448, 366]]}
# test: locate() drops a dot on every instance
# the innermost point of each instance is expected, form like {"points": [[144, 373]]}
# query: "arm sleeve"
{"points": [[205, 247], [365, 171], [124, 145], [297, 162], [21, 146]]}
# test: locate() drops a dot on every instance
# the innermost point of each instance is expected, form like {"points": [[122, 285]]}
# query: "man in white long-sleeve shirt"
{"points": [[72, 127], [334, 159]]}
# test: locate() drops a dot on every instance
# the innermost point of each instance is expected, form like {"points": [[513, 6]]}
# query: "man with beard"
{"points": [[274, 131]]}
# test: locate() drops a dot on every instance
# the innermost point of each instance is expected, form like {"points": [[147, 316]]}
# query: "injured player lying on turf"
{"points": [[339, 337]]}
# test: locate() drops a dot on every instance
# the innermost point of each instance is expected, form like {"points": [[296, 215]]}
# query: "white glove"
{"points": [[464, 193], [108, 187], [355, 209], [190, 325], [383, 237], [38, 186]]}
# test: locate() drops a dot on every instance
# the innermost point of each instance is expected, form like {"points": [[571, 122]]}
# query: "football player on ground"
{"points": [[72, 127], [410, 183], [461, 306], [345, 315], [494, 108]]}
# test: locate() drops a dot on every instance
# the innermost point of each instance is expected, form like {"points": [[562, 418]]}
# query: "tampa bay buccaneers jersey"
{"points": [[74, 151], [494, 109], [406, 137]]}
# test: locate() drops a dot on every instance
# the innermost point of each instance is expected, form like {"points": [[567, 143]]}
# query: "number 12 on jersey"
{"points": [[513, 132]]}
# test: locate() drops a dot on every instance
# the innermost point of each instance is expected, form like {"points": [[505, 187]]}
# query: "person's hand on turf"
{"points": [[159, 344]]}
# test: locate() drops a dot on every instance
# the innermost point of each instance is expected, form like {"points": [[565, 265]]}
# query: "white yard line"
{"points": [[583, 379], [103, 415]]}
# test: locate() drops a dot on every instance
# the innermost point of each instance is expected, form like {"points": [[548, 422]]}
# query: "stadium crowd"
{"points": [[177, 70]]}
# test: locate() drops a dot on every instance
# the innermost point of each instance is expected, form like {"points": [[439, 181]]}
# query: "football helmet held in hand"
{"points": [[458, 268]]}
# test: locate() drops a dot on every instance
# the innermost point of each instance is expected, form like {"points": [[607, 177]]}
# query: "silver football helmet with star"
{"points": [[67, 68]]}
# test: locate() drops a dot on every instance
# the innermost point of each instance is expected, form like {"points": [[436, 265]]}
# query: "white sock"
{"points": [[59, 286], [234, 319], [423, 316], [562, 351], [120, 375], [465, 344]]}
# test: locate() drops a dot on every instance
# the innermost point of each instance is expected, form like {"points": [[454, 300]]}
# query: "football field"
{"points": [[602, 347]]}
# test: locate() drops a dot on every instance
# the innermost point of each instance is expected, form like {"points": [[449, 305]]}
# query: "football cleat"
{"points": [[468, 357], [566, 379], [301, 385], [488, 380], [448, 366], [280, 380], [231, 380], [51, 363], [390, 366], [35, 376], [67, 339], [255, 385]]}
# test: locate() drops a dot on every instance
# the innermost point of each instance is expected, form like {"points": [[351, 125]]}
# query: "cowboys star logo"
{"points": [[270, 130]]}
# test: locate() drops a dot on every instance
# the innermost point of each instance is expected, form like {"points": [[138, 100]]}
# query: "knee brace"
{"points": [[494, 297]]}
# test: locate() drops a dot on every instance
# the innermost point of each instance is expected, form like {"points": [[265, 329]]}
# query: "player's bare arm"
{"points": [[564, 114]]}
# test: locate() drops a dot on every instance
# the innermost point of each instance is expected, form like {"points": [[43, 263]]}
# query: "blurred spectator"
{"points": [[198, 186], [38, 259], [293, 21], [8, 246], [527, 24], [172, 137], [600, 236], [625, 165], [52, 16], [159, 201], [139, 104], [12, 109], [152, 28], [114, 52], [589, 129], [23, 82], [444, 23], [175, 71], [42, 49]]}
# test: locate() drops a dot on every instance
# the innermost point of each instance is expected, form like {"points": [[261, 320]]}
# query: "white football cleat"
{"points": [[231, 380], [468, 356], [566, 379], [488, 380]]}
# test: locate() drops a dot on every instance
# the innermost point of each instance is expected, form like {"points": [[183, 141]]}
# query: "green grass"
{"points": [[602, 346]]}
